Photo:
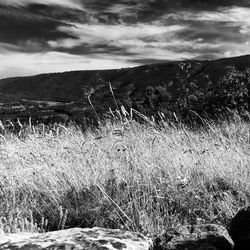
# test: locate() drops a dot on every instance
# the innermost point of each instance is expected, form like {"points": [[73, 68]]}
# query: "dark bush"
{"points": [[208, 100]]}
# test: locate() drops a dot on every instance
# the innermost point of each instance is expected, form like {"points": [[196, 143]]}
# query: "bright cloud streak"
{"points": [[18, 64], [235, 14], [113, 34], [65, 3]]}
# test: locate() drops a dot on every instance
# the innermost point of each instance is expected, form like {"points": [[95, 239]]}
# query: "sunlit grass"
{"points": [[142, 177]]}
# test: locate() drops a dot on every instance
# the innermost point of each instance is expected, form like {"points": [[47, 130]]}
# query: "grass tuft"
{"points": [[142, 177]]}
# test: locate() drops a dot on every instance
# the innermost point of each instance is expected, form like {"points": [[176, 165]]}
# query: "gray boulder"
{"points": [[240, 229], [77, 238], [198, 237]]}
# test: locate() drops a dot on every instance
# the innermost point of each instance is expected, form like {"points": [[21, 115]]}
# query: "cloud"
{"points": [[138, 40], [29, 31], [59, 35], [150, 10], [202, 4], [185, 34], [65, 3], [96, 33], [227, 27], [22, 64]]}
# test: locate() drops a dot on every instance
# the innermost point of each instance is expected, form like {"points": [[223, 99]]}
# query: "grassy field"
{"points": [[142, 177]]}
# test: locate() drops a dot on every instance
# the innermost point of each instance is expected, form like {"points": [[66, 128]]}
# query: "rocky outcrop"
{"points": [[77, 238], [240, 229], [198, 237], [208, 236], [191, 237]]}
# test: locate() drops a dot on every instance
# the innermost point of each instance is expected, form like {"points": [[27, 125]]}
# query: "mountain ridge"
{"points": [[129, 85]]}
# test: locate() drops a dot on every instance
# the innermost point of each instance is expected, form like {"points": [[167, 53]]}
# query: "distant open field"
{"points": [[143, 177]]}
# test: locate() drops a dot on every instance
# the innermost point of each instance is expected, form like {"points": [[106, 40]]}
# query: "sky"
{"points": [[39, 36]]}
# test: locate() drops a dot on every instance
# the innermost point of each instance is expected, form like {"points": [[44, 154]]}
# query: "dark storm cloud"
{"points": [[59, 12], [148, 61], [196, 4], [87, 49], [38, 23], [149, 10], [164, 5], [211, 32], [20, 27], [20, 24]]}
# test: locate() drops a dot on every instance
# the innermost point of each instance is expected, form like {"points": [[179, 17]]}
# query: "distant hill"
{"points": [[70, 90]]}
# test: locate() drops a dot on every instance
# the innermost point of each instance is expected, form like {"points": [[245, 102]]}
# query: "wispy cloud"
{"points": [[65, 3], [22, 64], [227, 27], [59, 35]]}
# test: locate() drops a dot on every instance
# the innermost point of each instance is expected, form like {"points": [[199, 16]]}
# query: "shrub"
{"points": [[229, 94]]}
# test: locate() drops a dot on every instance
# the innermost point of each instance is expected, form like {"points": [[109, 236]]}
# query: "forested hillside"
{"points": [[204, 87]]}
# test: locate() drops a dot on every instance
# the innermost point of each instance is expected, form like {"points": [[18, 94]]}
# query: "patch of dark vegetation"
{"points": [[201, 99]]}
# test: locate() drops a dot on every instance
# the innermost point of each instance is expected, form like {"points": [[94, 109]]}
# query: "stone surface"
{"points": [[240, 229], [77, 238], [199, 237]]}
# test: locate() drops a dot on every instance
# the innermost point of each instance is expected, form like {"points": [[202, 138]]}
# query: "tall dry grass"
{"points": [[143, 177]]}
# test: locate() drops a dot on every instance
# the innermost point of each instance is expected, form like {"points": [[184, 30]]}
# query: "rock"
{"points": [[77, 238], [198, 237], [240, 229]]}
